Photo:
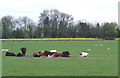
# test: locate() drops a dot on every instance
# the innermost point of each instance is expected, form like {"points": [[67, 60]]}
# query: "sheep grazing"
{"points": [[96, 45], [88, 49], [101, 45], [109, 49]]}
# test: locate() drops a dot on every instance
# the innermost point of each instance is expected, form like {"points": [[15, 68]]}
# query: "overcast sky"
{"points": [[91, 10]]}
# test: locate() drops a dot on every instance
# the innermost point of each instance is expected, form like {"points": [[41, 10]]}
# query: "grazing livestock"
{"points": [[101, 45], [61, 54], [65, 54], [109, 49], [53, 51], [5, 50], [23, 51], [49, 56], [19, 55], [83, 54], [10, 54], [37, 54], [88, 49], [46, 53], [52, 54]]}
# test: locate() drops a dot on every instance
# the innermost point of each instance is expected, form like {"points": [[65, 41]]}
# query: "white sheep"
{"points": [[101, 45], [109, 49], [88, 49], [4, 50]]}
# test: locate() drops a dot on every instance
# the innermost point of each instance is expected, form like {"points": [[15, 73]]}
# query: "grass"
{"points": [[18, 66]]}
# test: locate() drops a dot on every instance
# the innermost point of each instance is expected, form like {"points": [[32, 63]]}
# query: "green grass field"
{"points": [[19, 66]]}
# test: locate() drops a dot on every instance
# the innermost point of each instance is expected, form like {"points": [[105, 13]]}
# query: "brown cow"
{"points": [[61, 54], [37, 54], [52, 54]]}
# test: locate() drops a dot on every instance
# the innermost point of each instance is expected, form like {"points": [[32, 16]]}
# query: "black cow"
{"points": [[65, 54], [10, 54], [46, 53], [19, 55], [23, 51]]}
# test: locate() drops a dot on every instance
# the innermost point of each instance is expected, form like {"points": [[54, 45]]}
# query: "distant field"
{"points": [[100, 63]]}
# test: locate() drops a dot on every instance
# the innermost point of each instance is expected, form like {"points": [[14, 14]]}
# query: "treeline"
{"points": [[55, 24]]}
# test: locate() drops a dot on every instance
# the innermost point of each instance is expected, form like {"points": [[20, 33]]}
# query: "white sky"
{"points": [[91, 10]]}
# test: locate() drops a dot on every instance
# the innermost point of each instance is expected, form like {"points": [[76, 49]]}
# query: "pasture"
{"points": [[100, 62]]}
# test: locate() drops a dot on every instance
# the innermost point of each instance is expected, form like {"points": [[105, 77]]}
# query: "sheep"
{"points": [[109, 49], [101, 45], [4, 50], [88, 49]]}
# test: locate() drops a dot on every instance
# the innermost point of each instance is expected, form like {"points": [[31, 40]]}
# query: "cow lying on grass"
{"points": [[10, 54], [13, 54], [18, 54], [57, 54], [83, 54], [51, 54], [37, 54]]}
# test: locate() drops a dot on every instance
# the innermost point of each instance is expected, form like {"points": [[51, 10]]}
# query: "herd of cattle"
{"points": [[49, 54]]}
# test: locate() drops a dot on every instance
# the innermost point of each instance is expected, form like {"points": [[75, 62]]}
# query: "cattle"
{"points": [[19, 54], [41, 53], [10, 54], [53, 51], [65, 54], [51, 54], [60, 54], [56, 54], [37, 54], [46, 53], [23, 51], [83, 54]]}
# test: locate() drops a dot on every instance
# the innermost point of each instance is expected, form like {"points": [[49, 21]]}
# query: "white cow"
{"points": [[53, 51], [83, 54]]}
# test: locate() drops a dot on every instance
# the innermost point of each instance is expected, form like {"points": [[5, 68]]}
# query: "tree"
{"points": [[7, 27], [109, 31], [54, 23], [0, 29], [26, 25], [83, 29], [38, 32]]}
